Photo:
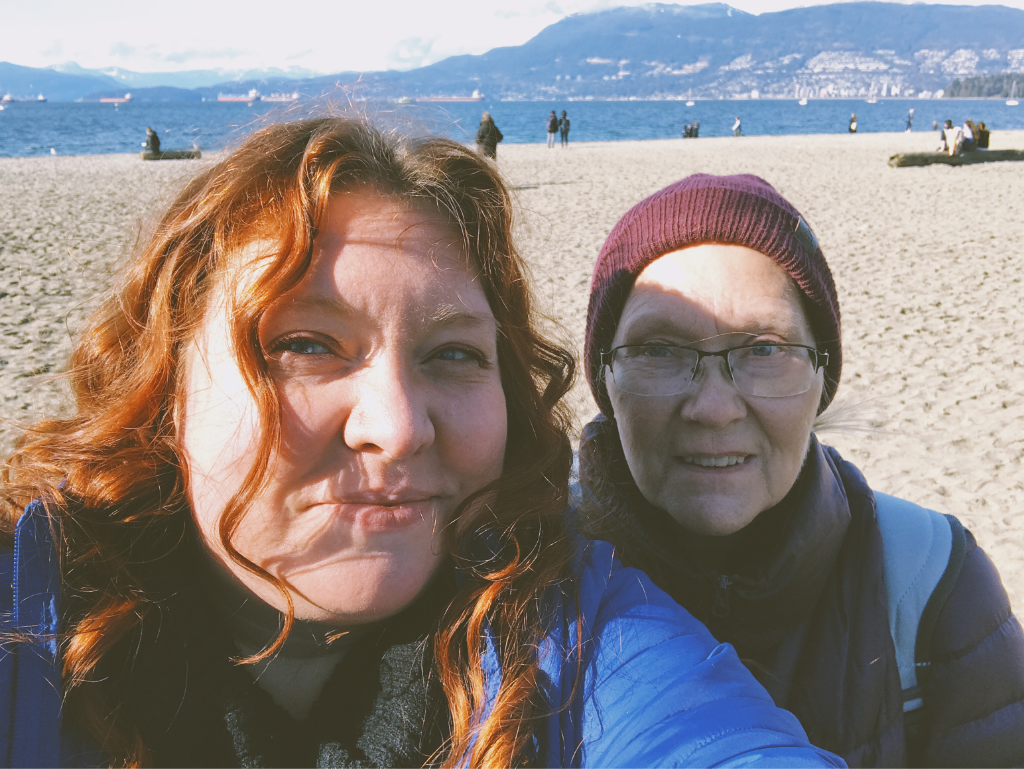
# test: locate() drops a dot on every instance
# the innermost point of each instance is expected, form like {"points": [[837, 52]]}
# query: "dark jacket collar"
{"points": [[771, 572], [801, 596]]}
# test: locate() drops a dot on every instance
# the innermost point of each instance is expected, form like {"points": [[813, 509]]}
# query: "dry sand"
{"points": [[927, 262]]}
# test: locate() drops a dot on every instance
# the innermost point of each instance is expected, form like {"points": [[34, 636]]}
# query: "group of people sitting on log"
{"points": [[956, 140]]}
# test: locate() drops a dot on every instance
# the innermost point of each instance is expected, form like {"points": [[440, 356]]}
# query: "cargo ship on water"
{"points": [[116, 99], [477, 96], [7, 98], [253, 96], [279, 98]]}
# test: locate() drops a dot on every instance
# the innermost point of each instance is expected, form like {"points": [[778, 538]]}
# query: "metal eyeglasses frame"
{"points": [[819, 359]]}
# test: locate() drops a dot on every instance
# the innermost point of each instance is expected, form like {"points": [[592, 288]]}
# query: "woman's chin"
{"points": [[359, 591], [713, 515]]}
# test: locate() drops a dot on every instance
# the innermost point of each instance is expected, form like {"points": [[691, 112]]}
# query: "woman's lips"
{"points": [[387, 516], [714, 461]]}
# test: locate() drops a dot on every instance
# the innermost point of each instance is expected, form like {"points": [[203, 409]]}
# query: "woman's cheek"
{"points": [[219, 432], [476, 434]]}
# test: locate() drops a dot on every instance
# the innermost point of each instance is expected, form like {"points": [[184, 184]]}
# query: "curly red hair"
{"points": [[114, 479]]}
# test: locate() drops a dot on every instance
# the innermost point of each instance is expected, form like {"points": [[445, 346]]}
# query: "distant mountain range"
{"points": [[70, 82], [656, 51], [196, 78]]}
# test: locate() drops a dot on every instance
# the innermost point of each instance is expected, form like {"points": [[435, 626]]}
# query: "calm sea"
{"points": [[29, 128]]}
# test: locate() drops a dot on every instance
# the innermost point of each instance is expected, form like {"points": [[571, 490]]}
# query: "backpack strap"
{"points": [[923, 552]]}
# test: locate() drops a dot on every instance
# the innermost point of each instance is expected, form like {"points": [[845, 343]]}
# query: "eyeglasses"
{"points": [[763, 369]]}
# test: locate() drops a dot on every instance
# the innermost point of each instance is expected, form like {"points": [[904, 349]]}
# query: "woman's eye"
{"points": [[764, 350], [655, 351], [457, 355], [301, 345], [305, 347]]}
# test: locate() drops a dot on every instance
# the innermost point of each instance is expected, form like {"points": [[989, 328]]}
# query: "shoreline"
{"points": [[927, 261], [34, 131], [838, 136]]}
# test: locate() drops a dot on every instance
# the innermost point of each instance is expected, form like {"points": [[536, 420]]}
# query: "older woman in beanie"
{"points": [[713, 342]]}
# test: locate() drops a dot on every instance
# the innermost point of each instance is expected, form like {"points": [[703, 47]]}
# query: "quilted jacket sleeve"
{"points": [[662, 692], [975, 694]]}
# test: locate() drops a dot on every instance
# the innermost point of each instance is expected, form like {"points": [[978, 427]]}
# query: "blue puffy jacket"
{"points": [[656, 688]]}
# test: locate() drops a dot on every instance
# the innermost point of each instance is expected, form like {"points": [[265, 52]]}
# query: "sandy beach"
{"points": [[928, 264]]}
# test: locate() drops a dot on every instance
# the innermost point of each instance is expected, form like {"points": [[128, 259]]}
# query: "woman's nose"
{"points": [[713, 399], [389, 412]]}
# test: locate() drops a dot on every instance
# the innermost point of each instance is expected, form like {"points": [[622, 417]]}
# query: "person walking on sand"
{"points": [[552, 129], [910, 120], [563, 127], [853, 123], [737, 127], [488, 136]]}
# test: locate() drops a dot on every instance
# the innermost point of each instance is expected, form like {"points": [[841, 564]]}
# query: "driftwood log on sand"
{"points": [[171, 155], [968, 158]]}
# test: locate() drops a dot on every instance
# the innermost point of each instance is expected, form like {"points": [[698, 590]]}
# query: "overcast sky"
{"points": [[321, 35]]}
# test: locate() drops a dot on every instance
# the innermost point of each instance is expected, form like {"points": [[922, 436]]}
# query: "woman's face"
{"points": [[392, 412], [714, 296]]}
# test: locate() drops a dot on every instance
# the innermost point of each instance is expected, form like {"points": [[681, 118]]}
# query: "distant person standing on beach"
{"points": [[853, 123], [563, 127], [696, 129], [737, 127], [910, 120], [488, 136], [552, 129]]}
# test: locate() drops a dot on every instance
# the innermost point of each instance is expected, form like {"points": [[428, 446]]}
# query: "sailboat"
{"points": [[1012, 101]]}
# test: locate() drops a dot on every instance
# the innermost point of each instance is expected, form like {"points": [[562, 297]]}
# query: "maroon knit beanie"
{"points": [[744, 210]]}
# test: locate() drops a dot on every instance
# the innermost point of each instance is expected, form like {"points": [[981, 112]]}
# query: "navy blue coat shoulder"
{"points": [[977, 639], [803, 598], [638, 682]]}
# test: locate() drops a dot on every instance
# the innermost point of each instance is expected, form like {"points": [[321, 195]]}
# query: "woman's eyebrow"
{"points": [[785, 327], [449, 315], [654, 324], [445, 315], [328, 304]]}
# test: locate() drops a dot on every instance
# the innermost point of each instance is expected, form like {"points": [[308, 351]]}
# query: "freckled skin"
{"points": [[706, 296], [385, 361]]}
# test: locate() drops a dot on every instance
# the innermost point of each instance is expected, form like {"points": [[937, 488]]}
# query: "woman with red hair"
{"points": [[309, 507]]}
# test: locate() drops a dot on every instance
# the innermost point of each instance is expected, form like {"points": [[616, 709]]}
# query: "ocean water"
{"points": [[30, 128]]}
